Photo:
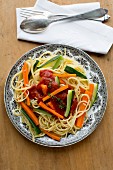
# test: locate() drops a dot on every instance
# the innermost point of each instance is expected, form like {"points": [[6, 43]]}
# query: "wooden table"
{"points": [[16, 152]]}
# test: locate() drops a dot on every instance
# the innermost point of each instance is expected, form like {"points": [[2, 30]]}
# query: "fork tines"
{"points": [[29, 12]]}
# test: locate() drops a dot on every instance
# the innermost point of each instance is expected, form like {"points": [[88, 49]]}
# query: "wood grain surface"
{"points": [[16, 152]]}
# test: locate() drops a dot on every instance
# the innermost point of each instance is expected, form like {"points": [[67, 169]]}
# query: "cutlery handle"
{"points": [[100, 12]]}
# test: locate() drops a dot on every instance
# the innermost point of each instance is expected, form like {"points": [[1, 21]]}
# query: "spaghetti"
{"points": [[42, 82]]}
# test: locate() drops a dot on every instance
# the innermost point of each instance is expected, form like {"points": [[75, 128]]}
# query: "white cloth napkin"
{"points": [[87, 35]]}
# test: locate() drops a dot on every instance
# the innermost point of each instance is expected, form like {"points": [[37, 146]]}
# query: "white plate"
{"points": [[96, 112]]}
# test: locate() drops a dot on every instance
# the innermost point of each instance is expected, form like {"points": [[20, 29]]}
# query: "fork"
{"points": [[28, 12], [25, 13]]}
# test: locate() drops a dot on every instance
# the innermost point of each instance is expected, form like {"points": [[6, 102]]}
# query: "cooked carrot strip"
{"points": [[55, 92], [91, 87], [51, 135], [27, 99], [30, 113], [51, 105], [64, 75], [25, 73], [82, 90], [80, 120], [41, 104], [62, 81], [85, 97], [25, 78]]}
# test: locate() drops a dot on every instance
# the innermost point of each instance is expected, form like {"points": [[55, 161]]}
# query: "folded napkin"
{"points": [[87, 35]]}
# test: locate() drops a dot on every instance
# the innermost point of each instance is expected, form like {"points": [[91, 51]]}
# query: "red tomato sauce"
{"points": [[34, 94], [59, 101], [46, 73], [47, 78], [74, 105]]}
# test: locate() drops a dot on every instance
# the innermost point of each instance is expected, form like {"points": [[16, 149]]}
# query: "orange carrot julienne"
{"points": [[85, 97], [27, 99], [25, 73], [91, 87], [25, 78], [30, 113], [51, 135], [55, 92], [64, 75], [80, 120], [82, 90], [41, 104], [62, 81], [50, 105]]}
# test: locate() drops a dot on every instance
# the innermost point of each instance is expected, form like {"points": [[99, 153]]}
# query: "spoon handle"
{"points": [[97, 13]]}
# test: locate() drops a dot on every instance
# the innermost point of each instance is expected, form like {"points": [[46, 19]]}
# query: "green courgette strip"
{"points": [[34, 68], [35, 65], [36, 128], [49, 61], [57, 80], [94, 95], [71, 70], [58, 62], [70, 96]]}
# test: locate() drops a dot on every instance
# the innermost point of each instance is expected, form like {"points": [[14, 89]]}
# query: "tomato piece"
{"points": [[45, 80], [34, 94], [46, 73], [51, 84]]}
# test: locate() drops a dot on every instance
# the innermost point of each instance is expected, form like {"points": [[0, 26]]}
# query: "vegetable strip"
{"points": [[25, 73], [25, 78], [91, 87], [55, 92], [41, 104], [49, 61], [36, 128], [64, 75], [71, 70], [30, 113], [51, 135], [80, 120], [27, 99], [50, 105], [62, 81]]}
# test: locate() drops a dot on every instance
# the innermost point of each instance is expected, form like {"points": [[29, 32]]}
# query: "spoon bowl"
{"points": [[35, 23]]}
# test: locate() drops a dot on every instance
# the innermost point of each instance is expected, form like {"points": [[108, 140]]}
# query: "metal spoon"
{"points": [[25, 13], [38, 23]]}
